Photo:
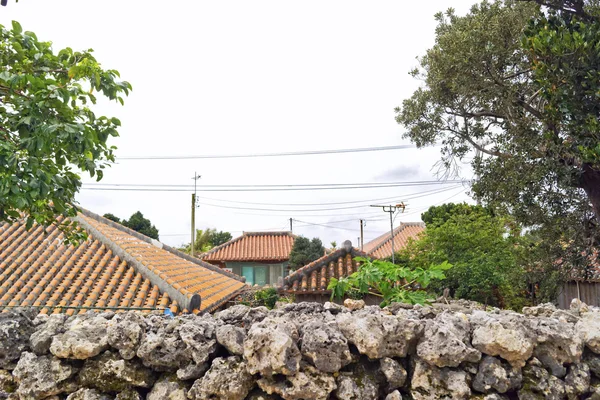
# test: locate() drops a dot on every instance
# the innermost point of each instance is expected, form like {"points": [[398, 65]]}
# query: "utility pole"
{"points": [[195, 178], [362, 224], [391, 210], [291, 225]]}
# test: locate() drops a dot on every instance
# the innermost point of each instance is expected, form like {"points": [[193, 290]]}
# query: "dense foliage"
{"points": [[516, 91], [206, 239], [305, 251], [48, 130], [137, 222], [391, 282]]}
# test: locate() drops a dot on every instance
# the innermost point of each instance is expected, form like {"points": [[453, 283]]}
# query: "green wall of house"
{"points": [[258, 273]]}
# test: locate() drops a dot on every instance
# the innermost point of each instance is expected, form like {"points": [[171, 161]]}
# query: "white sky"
{"points": [[238, 77]]}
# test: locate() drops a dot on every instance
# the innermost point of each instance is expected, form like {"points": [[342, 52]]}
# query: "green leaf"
{"points": [[17, 29]]}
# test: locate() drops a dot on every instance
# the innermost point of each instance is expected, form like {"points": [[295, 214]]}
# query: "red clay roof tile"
{"points": [[381, 247], [254, 246]]}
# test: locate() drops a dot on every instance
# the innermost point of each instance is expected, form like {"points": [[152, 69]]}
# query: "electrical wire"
{"points": [[279, 154]]}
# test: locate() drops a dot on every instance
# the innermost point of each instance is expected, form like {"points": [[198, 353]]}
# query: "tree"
{"points": [[48, 130], [138, 223], [484, 254], [112, 218], [218, 238], [305, 251], [519, 89], [206, 239], [438, 215]]}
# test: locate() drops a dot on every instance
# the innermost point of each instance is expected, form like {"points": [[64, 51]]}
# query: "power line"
{"points": [[272, 188], [279, 154]]}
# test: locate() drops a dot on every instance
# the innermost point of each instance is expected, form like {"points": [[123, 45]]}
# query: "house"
{"points": [[116, 268], [583, 283], [381, 247], [310, 282], [260, 257]]}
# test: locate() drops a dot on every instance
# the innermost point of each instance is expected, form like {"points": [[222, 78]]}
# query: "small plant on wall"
{"points": [[393, 283]]}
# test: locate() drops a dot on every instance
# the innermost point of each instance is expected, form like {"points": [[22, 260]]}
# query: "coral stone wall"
{"points": [[305, 351]]}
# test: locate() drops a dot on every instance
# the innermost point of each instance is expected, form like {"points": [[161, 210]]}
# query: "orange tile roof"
{"points": [[381, 247], [115, 267], [254, 246], [315, 277]]}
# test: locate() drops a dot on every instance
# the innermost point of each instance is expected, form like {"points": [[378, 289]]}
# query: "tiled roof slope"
{"points": [[115, 267], [254, 246], [315, 277], [381, 247]]}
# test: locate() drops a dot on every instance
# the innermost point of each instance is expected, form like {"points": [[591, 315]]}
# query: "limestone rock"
{"points": [[129, 394], [41, 339], [557, 344], [110, 373], [541, 310], [429, 382], [88, 394], [354, 305], [350, 387], [85, 337], [201, 338], [446, 341], [7, 384], [270, 347], [502, 335], [227, 379], [232, 338], [324, 346], [589, 329], [242, 316], [377, 335], [577, 381], [168, 388], [395, 395], [192, 371], [41, 377], [592, 360], [333, 308], [15, 329], [494, 375], [308, 383], [539, 384], [125, 333], [258, 394], [394, 372]]}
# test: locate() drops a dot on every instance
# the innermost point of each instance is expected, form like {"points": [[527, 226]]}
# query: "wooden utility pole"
{"points": [[361, 234], [391, 210], [291, 225], [192, 243]]}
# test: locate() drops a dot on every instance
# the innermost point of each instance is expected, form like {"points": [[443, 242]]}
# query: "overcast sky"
{"points": [[239, 77]]}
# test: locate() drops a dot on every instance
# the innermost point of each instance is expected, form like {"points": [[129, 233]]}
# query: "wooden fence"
{"points": [[588, 292]]}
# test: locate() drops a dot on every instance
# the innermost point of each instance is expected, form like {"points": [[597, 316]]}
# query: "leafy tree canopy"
{"points": [[521, 88], [138, 223], [48, 130], [305, 251], [112, 217], [487, 259], [206, 239], [438, 215]]}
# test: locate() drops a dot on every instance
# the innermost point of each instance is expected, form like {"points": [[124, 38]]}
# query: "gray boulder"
{"points": [[308, 383], [588, 328], [232, 338], [88, 394], [324, 346], [15, 330], [557, 344], [125, 333], [395, 395], [128, 394], [42, 377], [227, 379], [168, 388], [378, 335], [504, 335], [539, 384], [394, 372], [110, 373], [85, 336], [446, 341], [493, 374], [271, 347], [429, 382], [577, 381], [41, 339]]}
